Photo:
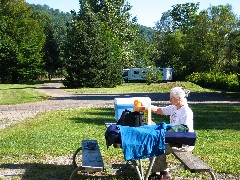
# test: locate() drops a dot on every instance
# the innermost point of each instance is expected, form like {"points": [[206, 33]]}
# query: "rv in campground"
{"points": [[137, 74]]}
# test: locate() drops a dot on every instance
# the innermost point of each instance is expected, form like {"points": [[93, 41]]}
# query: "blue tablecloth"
{"points": [[144, 141]]}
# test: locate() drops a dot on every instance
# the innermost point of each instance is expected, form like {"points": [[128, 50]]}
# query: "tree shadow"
{"points": [[214, 96], [201, 97], [37, 171], [217, 117], [16, 88], [99, 117], [116, 171], [46, 87], [61, 172], [205, 117]]}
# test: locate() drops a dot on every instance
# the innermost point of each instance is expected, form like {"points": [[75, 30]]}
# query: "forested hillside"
{"points": [[90, 48]]}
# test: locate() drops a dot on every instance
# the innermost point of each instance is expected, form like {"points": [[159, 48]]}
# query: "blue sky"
{"points": [[147, 11]]}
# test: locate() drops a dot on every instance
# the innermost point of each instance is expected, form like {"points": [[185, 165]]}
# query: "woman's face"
{"points": [[173, 100]]}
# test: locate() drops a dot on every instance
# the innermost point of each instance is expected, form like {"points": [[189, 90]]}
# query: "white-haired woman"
{"points": [[179, 113]]}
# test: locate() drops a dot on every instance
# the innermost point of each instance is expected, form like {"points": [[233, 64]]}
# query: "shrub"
{"points": [[222, 81]]}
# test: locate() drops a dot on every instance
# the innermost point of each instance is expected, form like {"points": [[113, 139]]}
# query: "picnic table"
{"points": [[187, 159], [92, 159]]}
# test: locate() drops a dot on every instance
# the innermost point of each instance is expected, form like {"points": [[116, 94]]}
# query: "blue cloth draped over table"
{"points": [[144, 141]]}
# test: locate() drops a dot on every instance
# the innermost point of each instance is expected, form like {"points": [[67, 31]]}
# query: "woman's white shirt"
{"points": [[184, 115]]}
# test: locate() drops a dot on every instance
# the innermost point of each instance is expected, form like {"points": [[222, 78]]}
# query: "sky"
{"points": [[148, 12]]}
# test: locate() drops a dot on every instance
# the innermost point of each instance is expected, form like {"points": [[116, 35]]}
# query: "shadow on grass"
{"points": [[96, 117], [52, 171], [37, 171], [208, 97], [116, 171], [16, 88], [211, 117], [217, 117]]}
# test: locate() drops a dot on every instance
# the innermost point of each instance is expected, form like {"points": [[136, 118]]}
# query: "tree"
{"points": [[51, 53], [21, 43], [191, 42], [97, 41], [209, 50], [54, 24], [223, 23], [116, 15], [198, 53], [172, 30], [171, 48], [233, 55], [165, 24], [182, 16]]}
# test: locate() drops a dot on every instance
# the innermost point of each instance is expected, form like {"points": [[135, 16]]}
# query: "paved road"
{"points": [[60, 99]]}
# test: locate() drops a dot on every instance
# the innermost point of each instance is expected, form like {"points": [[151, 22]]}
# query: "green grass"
{"points": [[218, 130], [142, 87], [19, 93], [59, 133]]}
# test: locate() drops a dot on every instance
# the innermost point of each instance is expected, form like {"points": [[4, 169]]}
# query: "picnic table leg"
{"points": [[74, 157], [75, 172], [140, 176], [212, 175], [141, 168], [152, 160]]}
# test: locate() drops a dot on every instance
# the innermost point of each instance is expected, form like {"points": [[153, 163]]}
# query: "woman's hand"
{"points": [[154, 109], [157, 110]]}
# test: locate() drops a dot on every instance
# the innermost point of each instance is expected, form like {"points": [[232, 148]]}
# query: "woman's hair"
{"points": [[180, 92]]}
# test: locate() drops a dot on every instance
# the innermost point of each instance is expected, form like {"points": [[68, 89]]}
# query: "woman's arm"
{"points": [[157, 110]]}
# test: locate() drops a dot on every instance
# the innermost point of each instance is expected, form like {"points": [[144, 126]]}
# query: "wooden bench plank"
{"points": [[192, 162], [91, 157]]}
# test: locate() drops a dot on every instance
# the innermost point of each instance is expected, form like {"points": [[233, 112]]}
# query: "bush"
{"points": [[152, 74], [222, 81]]}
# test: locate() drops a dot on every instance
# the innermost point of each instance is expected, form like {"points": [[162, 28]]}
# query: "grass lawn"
{"points": [[19, 93], [142, 87], [55, 134]]}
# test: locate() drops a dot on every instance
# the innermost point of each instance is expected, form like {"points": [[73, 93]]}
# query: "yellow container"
{"points": [[145, 108]]}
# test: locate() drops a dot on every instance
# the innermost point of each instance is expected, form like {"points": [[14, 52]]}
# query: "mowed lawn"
{"points": [[19, 93]]}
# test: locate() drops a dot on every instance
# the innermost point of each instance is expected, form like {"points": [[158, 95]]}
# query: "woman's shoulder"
{"points": [[170, 107], [186, 108]]}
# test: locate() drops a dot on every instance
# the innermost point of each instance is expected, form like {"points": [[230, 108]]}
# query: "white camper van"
{"points": [[166, 73], [137, 74]]}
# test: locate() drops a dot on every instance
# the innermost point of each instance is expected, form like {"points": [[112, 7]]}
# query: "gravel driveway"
{"points": [[60, 99]]}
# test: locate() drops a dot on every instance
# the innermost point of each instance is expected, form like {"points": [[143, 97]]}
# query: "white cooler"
{"points": [[120, 104]]}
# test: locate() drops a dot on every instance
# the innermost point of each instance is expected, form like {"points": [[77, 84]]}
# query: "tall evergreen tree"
{"points": [[94, 48]]}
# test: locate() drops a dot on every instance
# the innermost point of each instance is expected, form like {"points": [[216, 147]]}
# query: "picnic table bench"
{"points": [[193, 163], [91, 158]]}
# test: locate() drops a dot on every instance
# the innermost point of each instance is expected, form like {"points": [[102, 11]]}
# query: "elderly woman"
{"points": [[179, 113]]}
